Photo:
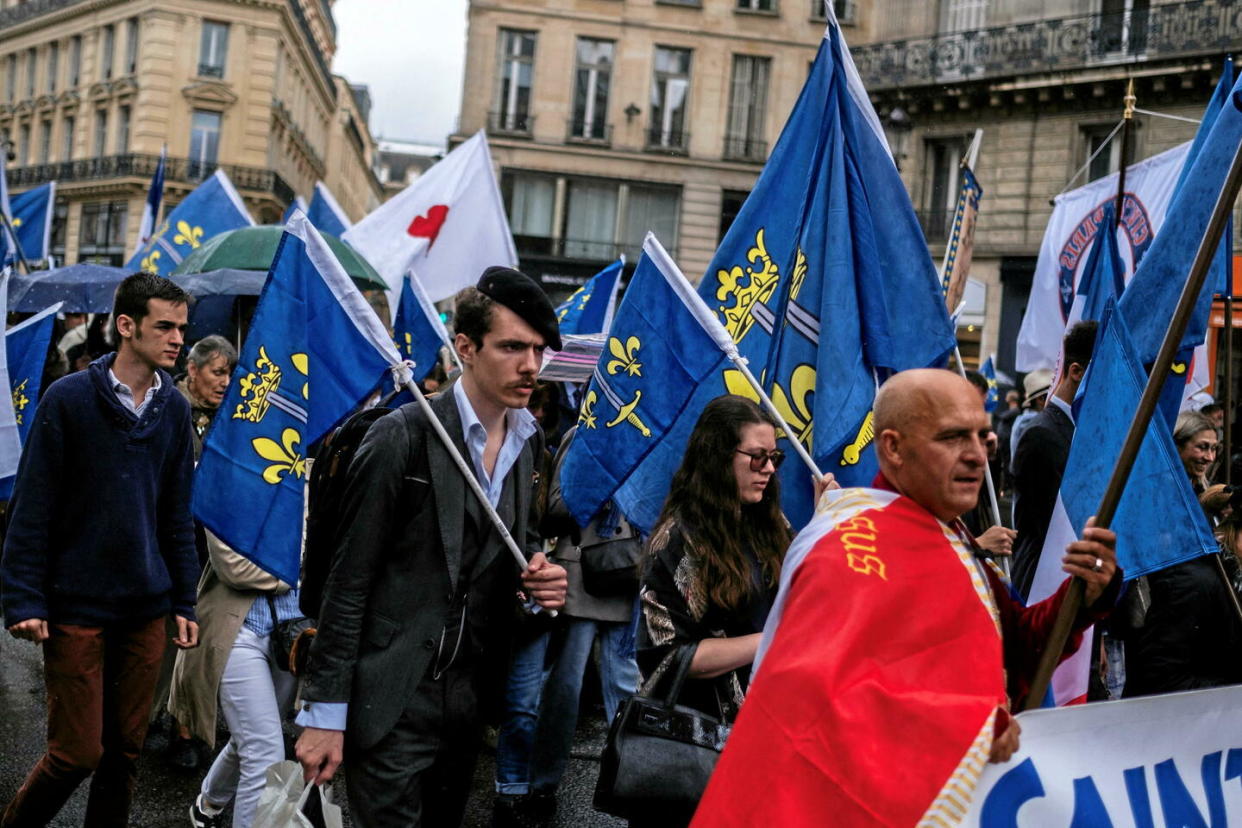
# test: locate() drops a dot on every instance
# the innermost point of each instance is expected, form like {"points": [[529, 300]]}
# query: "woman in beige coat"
{"points": [[238, 606]]}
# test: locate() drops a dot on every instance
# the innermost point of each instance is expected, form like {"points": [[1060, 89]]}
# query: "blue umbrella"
{"points": [[84, 288]]}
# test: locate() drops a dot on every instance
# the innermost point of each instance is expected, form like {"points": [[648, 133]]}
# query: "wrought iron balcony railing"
{"points": [[1167, 30], [741, 148], [29, 9], [668, 140], [210, 70], [580, 131], [936, 224], [510, 123], [141, 165]]}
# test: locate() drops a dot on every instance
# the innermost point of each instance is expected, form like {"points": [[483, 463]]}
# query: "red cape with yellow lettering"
{"points": [[877, 685]]}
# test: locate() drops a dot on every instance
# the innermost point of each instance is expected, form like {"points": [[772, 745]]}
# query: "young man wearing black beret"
{"points": [[419, 608]]}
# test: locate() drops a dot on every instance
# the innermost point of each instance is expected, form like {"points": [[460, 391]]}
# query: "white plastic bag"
{"points": [[287, 802]]}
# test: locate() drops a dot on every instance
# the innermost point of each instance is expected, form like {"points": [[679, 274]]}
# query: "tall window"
{"points": [[670, 87], [101, 132], [845, 10], [591, 219], [10, 79], [1107, 159], [942, 180], [23, 144], [517, 69], [965, 15], [1123, 27], [213, 50], [204, 142], [101, 238], [106, 49], [731, 202], [66, 149], [649, 208], [122, 130], [75, 60], [757, 5], [530, 202], [53, 64], [32, 65], [45, 141], [591, 81], [131, 46], [748, 99]]}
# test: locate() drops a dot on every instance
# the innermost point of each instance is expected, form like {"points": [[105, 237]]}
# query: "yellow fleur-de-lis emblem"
{"points": [[151, 263], [586, 417], [284, 456], [851, 454], [795, 406], [187, 234], [20, 400], [302, 363], [747, 287], [17, 222], [1178, 367], [626, 356]]}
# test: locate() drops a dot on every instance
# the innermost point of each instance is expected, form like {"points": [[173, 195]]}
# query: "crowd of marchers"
{"points": [[154, 630]]}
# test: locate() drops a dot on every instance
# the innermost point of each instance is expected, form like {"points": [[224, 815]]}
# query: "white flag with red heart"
{"points": [[449, 226]]}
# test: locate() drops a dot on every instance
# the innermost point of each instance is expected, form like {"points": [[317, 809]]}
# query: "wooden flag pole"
{"points": [[1227, 396], [987, 472], [1142, 418], [1127, 124]]}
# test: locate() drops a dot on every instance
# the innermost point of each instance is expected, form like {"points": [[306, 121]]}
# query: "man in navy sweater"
{"points": [[100, 550]]}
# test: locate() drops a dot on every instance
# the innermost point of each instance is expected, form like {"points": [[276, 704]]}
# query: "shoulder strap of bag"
{"points": [[678, 659]]}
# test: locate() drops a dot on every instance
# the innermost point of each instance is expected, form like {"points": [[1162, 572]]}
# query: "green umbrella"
{"points": [[253, 248]]}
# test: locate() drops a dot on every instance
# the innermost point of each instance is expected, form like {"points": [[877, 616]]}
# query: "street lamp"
{"points": [[897, 127]]}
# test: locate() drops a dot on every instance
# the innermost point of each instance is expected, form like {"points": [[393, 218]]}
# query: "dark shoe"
{"points": [[158, 733], [201, 819], [539, 807], [182, 754], [506, 812]]}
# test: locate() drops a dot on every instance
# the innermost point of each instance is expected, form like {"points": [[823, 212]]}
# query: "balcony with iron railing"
{"points": [[743, 148], [581, 131], [510, 124], [1164, 31], [673, 141], [142, 165]]}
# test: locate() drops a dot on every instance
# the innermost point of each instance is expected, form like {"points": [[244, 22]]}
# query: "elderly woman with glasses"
{"points": [[1187, 635]]}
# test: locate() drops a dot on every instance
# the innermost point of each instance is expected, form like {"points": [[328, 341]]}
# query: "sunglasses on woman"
{"points": [[759, 459]]}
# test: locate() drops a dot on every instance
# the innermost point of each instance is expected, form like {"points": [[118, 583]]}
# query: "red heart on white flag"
{"points": [[428, 226]]}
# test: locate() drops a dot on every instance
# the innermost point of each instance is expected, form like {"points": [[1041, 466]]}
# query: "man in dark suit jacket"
{"points": [[1041, 455], [420, 602]]}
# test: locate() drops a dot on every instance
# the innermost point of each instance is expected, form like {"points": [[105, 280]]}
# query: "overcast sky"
{"points": [[411, 54]]}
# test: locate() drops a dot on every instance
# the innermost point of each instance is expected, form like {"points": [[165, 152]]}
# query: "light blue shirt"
{"points": [[259, 620], [520, 426], [126, 394], [1053, 399]]}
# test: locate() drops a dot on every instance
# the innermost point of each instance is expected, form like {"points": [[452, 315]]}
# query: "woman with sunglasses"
{"points": [[713, 561]]}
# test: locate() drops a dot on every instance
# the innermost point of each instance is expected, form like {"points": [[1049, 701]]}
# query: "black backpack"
{"points": [[329, 474]]}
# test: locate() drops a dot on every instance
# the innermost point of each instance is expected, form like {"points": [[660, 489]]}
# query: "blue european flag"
{"points": [[212, 208], [32, 221], [589, 309], [417, 330], [26, 347], [1152, 294], [657, 354], [825, 283], [1103, 274], [326, 214], [988, 370], [315, 350], [1158, 521]]}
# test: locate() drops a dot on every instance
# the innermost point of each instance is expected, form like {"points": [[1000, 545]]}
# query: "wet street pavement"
{"points": [[164, 793]]}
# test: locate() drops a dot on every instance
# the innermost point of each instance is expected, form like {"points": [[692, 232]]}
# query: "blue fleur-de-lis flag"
{"points": [[657, 354], [26, 347], [210, 209], [314, 352], [326, 214], [988, 370], [825, 283], [417, 330], [589, 309], [32, 222]]}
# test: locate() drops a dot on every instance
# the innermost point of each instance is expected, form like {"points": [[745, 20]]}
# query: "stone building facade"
{"points": [[1045, 80], [91, 90], [610, 118]]}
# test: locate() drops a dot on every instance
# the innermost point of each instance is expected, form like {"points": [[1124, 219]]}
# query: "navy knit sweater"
{"points": [[99, 525]]}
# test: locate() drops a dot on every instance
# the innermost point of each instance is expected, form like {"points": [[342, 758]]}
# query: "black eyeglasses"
{"points": [[759, 459]]}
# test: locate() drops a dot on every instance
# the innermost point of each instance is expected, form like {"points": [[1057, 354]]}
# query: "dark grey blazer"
{"points": [[396, 564]]}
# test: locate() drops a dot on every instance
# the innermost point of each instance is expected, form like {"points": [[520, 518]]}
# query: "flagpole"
{"points": [[1208, 246], [740, 363], [468, 474], [1127, 124], [987, 468], [1227, 396], [17, 247]]}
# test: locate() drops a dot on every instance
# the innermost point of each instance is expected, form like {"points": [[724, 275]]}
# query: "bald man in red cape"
{"points": [[894, 651]]}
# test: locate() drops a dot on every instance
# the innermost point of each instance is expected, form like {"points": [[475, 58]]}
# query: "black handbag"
{"points": [[286, 643], [609, 554], [659, 755]]}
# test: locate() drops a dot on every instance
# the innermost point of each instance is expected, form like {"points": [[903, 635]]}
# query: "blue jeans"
{"points": [[533, 745]]}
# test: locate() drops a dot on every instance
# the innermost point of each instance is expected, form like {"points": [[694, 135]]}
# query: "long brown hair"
{"points": [[704, 500]]}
